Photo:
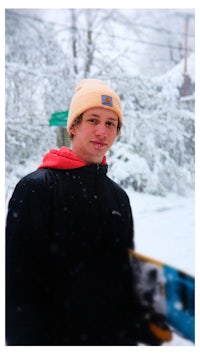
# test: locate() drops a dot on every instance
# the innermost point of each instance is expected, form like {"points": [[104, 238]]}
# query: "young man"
{"points": [[69, 228]]}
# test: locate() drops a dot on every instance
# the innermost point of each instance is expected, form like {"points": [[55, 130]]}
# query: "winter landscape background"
{"points": [[147, 56]]}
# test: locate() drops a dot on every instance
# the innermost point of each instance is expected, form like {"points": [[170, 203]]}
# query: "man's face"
{"points": [[95, 134]]}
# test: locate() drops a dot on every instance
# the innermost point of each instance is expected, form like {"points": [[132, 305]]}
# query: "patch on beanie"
{"points": [[106, 100]]}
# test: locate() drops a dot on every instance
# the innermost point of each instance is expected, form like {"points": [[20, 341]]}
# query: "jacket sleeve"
{"points": [[27, 234]]}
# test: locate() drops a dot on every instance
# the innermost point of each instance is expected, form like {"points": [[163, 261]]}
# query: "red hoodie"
{"points": [[62, 159]]}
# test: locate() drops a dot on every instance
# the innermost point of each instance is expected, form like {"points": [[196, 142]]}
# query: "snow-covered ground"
{"points": [[164, 227], [165, 230]]}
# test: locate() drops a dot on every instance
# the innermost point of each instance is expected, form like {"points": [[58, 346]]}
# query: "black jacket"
{"points": [[68, 278]]}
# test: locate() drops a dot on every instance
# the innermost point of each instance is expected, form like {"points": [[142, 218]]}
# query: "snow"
{"points": [[164, 227], [158, 125]]}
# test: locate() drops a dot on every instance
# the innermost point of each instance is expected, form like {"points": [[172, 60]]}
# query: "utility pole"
{"points": [[185, 88]]}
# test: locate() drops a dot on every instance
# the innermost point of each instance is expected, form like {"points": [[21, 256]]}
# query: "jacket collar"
{"points": [[64, 158]]}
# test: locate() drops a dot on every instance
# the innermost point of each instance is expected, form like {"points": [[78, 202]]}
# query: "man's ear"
{"points": [[72, 130]]}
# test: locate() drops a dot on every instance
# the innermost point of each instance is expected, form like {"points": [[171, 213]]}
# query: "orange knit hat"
{"points": [[93, 93]]}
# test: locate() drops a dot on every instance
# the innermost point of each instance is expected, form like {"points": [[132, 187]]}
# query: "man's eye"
{"points": [[92, 120], [110, 124]]}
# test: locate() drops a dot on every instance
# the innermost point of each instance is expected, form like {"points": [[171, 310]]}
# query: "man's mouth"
{"points": [[98, 144]]}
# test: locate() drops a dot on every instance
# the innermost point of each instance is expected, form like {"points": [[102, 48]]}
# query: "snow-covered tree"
{"points": [[49, 50]]}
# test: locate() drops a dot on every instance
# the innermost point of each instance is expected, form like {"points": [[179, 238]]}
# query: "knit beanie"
{"points": [[93, 93]]}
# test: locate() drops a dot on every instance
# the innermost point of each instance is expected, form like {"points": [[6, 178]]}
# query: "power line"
{"points": [[72, 28], [13, 12]]}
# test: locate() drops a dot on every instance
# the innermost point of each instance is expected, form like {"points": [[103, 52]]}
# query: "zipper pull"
{"points": [[98, 168]]}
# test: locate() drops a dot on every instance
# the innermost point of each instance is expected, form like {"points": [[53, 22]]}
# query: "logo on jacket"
{"points": [[106, 100]]}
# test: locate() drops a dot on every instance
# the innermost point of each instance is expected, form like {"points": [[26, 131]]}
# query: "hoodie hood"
{"points": [[62, 159]]}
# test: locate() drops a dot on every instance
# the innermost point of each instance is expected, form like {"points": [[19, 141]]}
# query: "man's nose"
{"points": [[100, 130]]}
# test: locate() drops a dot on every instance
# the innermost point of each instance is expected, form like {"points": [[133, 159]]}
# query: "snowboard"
{"points": [[168, 291]]}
